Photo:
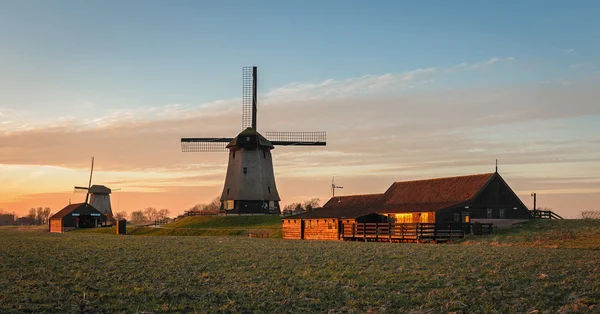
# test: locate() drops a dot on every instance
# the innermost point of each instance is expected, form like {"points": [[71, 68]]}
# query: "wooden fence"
{"points": [[544, 214], [410, 232]]}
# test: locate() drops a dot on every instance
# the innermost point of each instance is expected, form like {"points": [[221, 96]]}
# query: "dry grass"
{"points": [[96, 273]]}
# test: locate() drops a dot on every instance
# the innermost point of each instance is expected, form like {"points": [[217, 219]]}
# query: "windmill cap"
{"points": [[250, 138], [99, 189]]}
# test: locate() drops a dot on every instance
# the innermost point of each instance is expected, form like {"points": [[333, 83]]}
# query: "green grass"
{"points": [[95, 273], [206, 226], [246, 222], [568, 233]]}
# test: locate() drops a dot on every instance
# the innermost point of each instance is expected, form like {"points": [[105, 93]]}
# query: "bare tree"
{"points": [[137, 215], [151, 213], [311, 204], [590, 214], [163, 213], [121, 215], [214, 205], [32, 214]]}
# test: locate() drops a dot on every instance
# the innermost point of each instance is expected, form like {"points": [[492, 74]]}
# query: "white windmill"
{"points": [[97, 195]]}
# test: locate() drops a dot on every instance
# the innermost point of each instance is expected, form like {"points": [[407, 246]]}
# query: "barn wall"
{"points": [[291, 228], [321, 229], [56, 225], [497, 196]]}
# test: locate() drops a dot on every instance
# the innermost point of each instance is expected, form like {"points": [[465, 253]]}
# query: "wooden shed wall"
{"points": [[291, 229], [56, 225], [321, 229]]}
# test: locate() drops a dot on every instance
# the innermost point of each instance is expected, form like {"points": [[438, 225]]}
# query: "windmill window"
{"points": [[264, 154], [228, 192], [245, 170], [269, 188], [234, 154]]}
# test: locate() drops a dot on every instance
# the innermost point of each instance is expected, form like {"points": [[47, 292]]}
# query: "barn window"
{"points": [[404, 218], [331, 225], [501, 212], [456, 217], [490, 213], [229, 204]]}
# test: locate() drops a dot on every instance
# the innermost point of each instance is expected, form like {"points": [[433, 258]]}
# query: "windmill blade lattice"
{"points": [[297, 138], [204, 144]]}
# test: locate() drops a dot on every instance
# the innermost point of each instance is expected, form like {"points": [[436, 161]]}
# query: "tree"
{"points": [[32, 214], [42, 215], [214, 205], [121, 215], [590, 214], [163, 213], [311, 204], [150, 213], [137, 215]]}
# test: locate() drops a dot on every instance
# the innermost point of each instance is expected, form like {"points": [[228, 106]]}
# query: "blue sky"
{"points": [[127, 53], [454, 84]]}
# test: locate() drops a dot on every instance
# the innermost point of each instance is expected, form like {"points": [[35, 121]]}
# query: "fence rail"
{"points": [[544, 214], [411, 232]]}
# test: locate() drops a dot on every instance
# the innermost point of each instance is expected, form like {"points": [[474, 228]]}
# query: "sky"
{"points": [[405, 90]]}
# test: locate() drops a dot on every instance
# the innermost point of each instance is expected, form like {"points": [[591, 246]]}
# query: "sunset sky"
{"points": [[405, 90]]}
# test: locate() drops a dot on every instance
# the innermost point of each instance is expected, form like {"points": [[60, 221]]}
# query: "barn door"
{"points": [[302, 229]]}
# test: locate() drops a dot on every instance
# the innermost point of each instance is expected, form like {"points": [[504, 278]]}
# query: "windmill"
{"points": [[97, 195], [333, 187], [250, 181]]}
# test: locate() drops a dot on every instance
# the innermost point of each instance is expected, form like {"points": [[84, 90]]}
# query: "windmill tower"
{"points": [[97, 195], [250, 181]]}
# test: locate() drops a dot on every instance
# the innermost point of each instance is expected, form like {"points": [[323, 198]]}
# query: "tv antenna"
{"points": [[333, 187]]}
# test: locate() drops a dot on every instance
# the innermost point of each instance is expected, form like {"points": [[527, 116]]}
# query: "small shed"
{"points": [[81, 215], [324, 223]]}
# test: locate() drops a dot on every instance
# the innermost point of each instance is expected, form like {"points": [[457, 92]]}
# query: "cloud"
{"points": [[374, 138]]}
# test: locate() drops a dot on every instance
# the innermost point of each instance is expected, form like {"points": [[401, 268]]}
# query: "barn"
{"points": [[81, 215], [438, 204]]}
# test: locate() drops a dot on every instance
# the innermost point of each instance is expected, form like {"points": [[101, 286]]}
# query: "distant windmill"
{"points": [[333, 187], [250, 180], [97, 195]]}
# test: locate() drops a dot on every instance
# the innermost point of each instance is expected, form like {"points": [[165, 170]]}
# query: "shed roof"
{"points": [[349, 206], [75, 207]]}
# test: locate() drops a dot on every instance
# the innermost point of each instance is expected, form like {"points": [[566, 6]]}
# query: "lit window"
{"points": [[229, 204], [404, 218]]}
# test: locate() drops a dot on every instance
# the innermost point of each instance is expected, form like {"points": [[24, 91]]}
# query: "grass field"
{"points": [[207, 226], [86, 272]]}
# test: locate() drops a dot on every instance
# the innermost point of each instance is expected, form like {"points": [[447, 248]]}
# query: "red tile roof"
{"points": [[349, 206], [408, 196], [354, 201], [70, 208], [433, 194]]}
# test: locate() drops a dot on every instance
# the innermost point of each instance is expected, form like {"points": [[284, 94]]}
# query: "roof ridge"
{"points": [[451, 177]]}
